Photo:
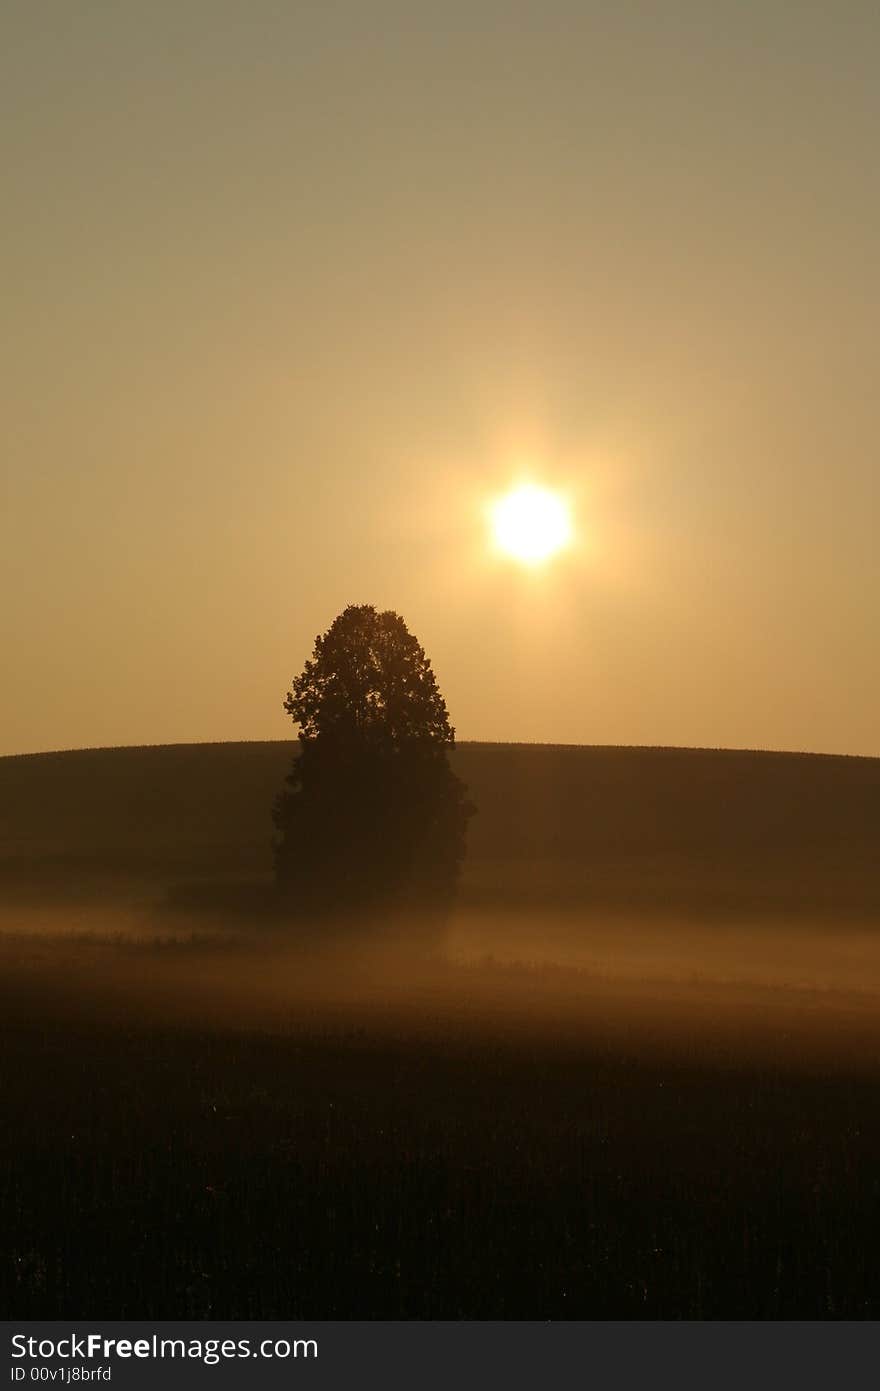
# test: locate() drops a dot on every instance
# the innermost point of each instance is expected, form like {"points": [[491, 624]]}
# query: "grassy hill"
{"points": [[656, 1102], [713, 831]]}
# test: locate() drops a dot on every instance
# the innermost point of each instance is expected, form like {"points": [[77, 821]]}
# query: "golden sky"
{"points": [[293, 291]]}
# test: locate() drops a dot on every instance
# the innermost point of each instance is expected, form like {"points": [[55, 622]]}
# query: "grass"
{"points": [[657, 1100], [170, 1172], [199, 1130], [708, 831]]}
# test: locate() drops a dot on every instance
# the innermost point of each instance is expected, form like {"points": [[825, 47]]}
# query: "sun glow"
{"points": [[531, 524]]}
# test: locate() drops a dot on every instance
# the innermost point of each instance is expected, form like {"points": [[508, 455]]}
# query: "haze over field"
{"points": [[294, 292], [697, 898], [632, 1077]]}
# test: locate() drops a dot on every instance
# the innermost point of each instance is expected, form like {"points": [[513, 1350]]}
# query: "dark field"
{"points": [[672, 830], [637, 1078]]}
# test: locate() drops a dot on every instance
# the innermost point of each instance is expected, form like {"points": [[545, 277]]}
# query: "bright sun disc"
{"points": [[531, 524]]}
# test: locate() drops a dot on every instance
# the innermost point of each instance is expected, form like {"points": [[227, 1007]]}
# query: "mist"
{"points": [[793, 993]]}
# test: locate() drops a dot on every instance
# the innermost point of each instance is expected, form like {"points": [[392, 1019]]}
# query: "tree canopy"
{"points": [[372, 811]]}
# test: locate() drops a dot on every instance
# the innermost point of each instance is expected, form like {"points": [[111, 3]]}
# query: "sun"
{"points": [[531, 524]]}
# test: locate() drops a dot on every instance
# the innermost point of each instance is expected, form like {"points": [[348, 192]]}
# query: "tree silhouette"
{"points": [[372, 813]]}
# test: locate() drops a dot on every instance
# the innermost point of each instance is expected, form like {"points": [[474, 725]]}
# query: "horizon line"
{"points": [[459, 743]]}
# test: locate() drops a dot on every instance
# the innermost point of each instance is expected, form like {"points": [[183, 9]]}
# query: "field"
{"points": [[636, 1078]]}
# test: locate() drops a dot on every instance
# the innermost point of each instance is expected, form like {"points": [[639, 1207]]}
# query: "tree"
{"points": [[372, 813]]}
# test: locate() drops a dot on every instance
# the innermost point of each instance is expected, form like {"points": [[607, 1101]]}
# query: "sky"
{"points": [[293, 291]]}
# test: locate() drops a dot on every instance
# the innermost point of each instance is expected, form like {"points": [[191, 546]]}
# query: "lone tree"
{"points": [[372, 814]]}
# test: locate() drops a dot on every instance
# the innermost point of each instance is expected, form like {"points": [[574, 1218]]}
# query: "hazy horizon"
{"points": [[500, 743], [294, 293]]}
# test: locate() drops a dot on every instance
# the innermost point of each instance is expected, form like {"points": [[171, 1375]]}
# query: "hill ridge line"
{"points": [[460, 743]]}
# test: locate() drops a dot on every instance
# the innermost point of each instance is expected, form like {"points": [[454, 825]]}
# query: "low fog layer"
{"points": [[793, 993]]}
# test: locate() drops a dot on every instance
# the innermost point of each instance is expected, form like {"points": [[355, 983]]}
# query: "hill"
{"points": [[714, 831]]}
